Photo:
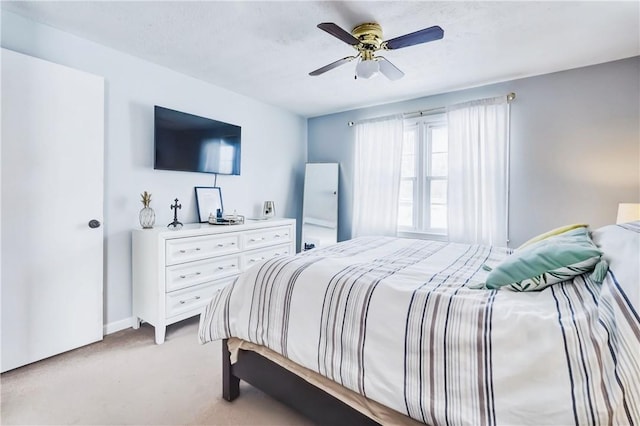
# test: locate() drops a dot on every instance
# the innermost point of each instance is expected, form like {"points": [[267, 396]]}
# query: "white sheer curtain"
{"points": [[376, 180], [478, 172]]}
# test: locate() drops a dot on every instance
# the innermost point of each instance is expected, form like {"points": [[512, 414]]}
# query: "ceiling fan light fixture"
{"points": [[367, 68]]}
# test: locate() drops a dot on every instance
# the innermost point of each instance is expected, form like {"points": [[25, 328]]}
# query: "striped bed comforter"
{"points": [[394, 320]]}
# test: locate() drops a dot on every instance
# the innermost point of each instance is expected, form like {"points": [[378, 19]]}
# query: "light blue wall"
{"points": [[575, 151], [575, 145], [273, 144]]}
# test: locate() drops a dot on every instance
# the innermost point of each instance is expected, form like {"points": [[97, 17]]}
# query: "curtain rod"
{"points": [[510, 98]]}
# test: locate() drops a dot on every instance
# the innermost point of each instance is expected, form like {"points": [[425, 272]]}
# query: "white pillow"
{"points": [[620, 245]]}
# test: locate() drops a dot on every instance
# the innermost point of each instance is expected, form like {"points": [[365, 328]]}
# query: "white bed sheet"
{"points": [[394, 320]]}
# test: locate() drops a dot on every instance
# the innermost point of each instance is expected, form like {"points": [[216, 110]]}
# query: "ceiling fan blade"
{"points": [[388, 69], [338, 32], [418, 37], [332, 65]]}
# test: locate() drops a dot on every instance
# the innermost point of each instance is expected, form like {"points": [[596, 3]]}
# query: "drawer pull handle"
{"points": [[277, 235], [195, 249], [220, 245], [253, 240], [257, 259], [189, 275], [182, 302], [220, 268]]}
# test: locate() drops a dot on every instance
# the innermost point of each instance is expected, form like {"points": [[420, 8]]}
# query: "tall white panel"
{"points": [[320, 205], [52, 187]]}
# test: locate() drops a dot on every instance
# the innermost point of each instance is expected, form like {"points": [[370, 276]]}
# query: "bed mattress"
{"points": [[395, 320]]}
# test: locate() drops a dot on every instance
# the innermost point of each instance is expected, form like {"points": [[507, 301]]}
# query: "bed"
{"points": [[381, 330]]}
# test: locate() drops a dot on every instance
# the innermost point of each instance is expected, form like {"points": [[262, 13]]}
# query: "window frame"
{"points": [[423, 178]]}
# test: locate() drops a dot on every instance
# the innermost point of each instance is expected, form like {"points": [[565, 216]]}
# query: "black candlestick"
{"points": [[175, 223]]}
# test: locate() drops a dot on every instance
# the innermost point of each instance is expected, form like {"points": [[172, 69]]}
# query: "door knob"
{"points": [[94, 223]]}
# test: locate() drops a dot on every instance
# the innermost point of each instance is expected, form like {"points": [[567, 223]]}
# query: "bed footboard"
{"points": [[287, 388]]}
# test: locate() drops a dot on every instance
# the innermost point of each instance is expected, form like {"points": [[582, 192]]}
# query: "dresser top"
{"points": [[195, 229]]}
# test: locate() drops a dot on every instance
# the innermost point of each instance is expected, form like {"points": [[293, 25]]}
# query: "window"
{"points": [[422, 207]]}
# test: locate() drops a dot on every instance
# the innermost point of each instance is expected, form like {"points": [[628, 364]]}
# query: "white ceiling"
{"points": [[266, 49]]}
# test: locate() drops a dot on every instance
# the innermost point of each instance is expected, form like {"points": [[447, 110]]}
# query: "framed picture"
{"points": [[209, 200]]}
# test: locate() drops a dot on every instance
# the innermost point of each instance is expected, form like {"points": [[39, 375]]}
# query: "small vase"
{"points": [[147, 217]]}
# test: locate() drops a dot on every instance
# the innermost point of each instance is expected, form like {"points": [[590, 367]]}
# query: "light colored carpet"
{"points": [[128, 379]]}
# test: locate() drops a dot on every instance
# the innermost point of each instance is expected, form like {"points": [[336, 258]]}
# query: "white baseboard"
{"points": [[115, 326]]}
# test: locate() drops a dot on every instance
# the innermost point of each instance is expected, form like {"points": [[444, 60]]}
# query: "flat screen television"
{"points": [[189, 143]]}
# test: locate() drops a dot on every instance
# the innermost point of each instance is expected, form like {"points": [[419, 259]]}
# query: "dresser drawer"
{"points": [[193, 299], [253, 257], [267, 237], [181, 250], [189, 274]]}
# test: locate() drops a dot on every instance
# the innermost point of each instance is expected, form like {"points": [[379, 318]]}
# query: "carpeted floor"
{"points": [[128, 379]]}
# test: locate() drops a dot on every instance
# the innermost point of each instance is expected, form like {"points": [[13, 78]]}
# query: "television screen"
{"points": [[190, 143]]}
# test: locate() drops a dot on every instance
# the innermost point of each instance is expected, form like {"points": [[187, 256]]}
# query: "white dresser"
{"points": [[176, 273]]}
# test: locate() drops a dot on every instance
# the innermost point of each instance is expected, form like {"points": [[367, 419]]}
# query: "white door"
{"points": [[52, 186]]}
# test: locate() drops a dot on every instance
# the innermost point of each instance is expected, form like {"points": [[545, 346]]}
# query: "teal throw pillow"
{"points": [[546, 262]]}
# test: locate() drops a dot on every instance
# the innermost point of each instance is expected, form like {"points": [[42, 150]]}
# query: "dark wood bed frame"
{"points": [[286, 387]]}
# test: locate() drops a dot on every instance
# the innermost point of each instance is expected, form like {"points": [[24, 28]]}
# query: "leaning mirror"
{"points": [[209, 201], [320, 205]]}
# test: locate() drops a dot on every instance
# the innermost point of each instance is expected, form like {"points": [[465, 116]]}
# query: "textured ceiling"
{"points": [[266, 49]]}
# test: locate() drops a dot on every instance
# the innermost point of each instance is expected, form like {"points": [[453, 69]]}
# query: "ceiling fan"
{"points": [[367, 40]]}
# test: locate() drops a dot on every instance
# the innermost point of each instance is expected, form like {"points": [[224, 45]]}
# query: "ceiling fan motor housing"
{"points": [[370, 36]]}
